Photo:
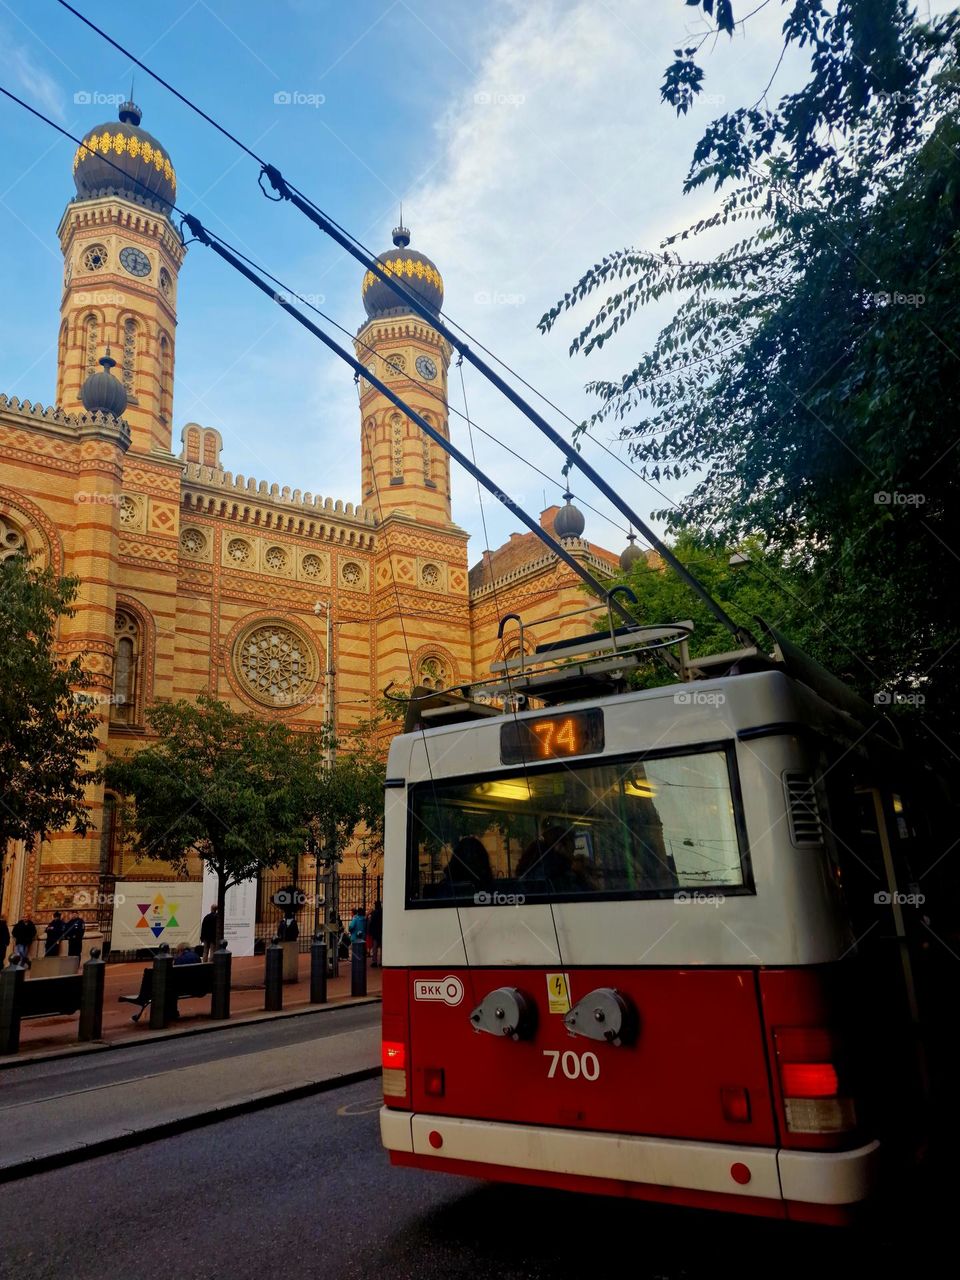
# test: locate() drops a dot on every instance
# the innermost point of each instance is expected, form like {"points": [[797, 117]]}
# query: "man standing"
{"points": [[209, 928], [74, 931], [24, 936], [54, 932], [375, 927]]}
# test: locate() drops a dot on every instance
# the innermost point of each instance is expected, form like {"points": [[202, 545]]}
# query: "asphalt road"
{"points": [[304, 1190]]}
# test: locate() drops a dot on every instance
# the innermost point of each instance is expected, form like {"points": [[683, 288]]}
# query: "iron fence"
{"points": [[278, 889]]}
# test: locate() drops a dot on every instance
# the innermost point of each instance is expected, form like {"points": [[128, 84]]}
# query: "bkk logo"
{"points": [[449, 990]]}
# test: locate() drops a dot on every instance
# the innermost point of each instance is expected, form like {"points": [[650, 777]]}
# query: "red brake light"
{"points": [[394, 1054], [809, 1079]]}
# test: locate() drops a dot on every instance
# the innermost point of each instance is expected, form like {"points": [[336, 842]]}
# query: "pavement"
{"points": [[40, 1037], [64, 1111]]}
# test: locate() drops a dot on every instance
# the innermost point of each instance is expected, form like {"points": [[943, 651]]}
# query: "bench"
{"points": [[46, 997], [188, 981]]}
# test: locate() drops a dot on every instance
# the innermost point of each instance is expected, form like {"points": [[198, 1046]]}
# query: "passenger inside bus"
{"points": [[469, 867]]}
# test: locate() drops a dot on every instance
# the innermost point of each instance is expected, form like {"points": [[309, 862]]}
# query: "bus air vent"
{"points": [[802, 809]]}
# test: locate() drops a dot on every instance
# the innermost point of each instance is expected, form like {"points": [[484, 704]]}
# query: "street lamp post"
{"points": [[332, 898]]}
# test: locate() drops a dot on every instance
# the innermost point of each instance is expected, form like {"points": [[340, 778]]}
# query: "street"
{"points": [[304, 1190]]}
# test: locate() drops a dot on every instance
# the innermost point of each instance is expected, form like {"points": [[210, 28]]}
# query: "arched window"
{"points": [[433, 674], [396, 439], [91, 338], [61, 361], [427, 477], [125, 661], [166, 378], [130, 342]]}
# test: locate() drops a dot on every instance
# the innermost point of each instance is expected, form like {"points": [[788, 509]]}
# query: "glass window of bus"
{"points": [[639, 827]]}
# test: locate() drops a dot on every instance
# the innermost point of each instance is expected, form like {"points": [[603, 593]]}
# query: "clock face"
{"points": [[134, 261], [426, 368]]}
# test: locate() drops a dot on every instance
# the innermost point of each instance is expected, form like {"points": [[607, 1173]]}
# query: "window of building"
{"points": [[91, 337], [433, 674], [125, 661], [276, 665], [12, 541], [130, 340]]}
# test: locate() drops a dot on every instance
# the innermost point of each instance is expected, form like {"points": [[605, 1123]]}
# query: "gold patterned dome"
{"points": [[124, 160], [414, 270]]}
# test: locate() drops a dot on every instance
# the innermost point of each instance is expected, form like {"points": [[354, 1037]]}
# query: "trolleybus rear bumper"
{"points": [[763, 1179]]}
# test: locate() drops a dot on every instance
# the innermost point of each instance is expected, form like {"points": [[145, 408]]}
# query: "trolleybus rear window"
{"points": [[639, 827]]}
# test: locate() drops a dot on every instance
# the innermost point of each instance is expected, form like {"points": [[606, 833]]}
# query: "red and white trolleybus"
{"points": [[655, 943]]}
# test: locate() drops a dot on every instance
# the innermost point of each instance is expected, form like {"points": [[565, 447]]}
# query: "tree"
{"points": [[805, 382], [48, 725], [346, 802], [749, 583], [233, 788]]}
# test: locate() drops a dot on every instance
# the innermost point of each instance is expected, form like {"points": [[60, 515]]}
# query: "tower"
{"points": [[421, 633], [402, 469], [122, 257]]}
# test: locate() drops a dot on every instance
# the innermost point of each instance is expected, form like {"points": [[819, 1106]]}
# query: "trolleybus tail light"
{"points": [[394, 1060], [814, 1098]]}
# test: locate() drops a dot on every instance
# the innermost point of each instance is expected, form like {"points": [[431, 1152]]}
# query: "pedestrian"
{"points": [[357, 928], [376, 933], [209, 928], [343, 941], [4, 939], [24, 936], [185, 954], [73, 933], [288, 930], [53, 934]]}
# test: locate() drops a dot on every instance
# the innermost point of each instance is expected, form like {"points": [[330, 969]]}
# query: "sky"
{"points": [[524, 139]]}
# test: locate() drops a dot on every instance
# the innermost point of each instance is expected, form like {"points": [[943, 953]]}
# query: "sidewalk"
{"points": [[61, 1119], [40, 1037]]}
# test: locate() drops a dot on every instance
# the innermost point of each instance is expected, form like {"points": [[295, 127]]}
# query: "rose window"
{"points": [[312, 568], [276, 558], [276, 665], [12, 541], [430, 575], [193, 542], [351, 574], [238, 550], [129, 511], [433, 674]]}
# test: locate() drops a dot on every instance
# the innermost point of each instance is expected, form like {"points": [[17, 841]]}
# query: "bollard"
{"points": [[318, 970], [163, 1005], [222, 960], [11, 991], [91, 998], [358, 969], [273, 977]]}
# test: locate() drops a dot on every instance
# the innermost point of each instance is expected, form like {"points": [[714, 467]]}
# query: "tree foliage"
{"points": [[807, 385], [48, 724], [232, 787]]}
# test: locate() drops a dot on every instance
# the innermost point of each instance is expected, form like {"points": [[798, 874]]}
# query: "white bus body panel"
{"points": [[795, 916]]}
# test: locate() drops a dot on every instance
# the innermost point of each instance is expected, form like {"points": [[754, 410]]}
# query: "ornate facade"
{"points": [[194, 578]]}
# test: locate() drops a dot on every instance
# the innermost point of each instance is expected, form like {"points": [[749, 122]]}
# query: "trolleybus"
{"points": [[656, 943]]}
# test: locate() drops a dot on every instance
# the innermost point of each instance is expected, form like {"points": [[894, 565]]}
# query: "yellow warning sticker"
{"points": [[558, 992]]}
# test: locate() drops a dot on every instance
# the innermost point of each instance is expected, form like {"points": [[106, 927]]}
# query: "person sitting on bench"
{"points": [[185, 954]]}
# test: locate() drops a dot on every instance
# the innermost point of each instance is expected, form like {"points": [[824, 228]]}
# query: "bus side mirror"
{"points": [[506, 1011]]}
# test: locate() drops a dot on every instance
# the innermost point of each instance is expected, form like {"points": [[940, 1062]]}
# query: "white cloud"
{"points": [[41, 89]]}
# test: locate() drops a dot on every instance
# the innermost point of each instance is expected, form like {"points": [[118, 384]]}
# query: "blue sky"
{"points": [[524, 139]]}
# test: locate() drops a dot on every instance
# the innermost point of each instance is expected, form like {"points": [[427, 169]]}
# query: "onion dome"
{"points": [[631, 553], [124, 160], [414, 270], [569, 521], [103, 393]]}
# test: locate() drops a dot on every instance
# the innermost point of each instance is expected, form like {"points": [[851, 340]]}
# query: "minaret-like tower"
{"points": [[403, 471], [420, 633], [122, 257]]}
